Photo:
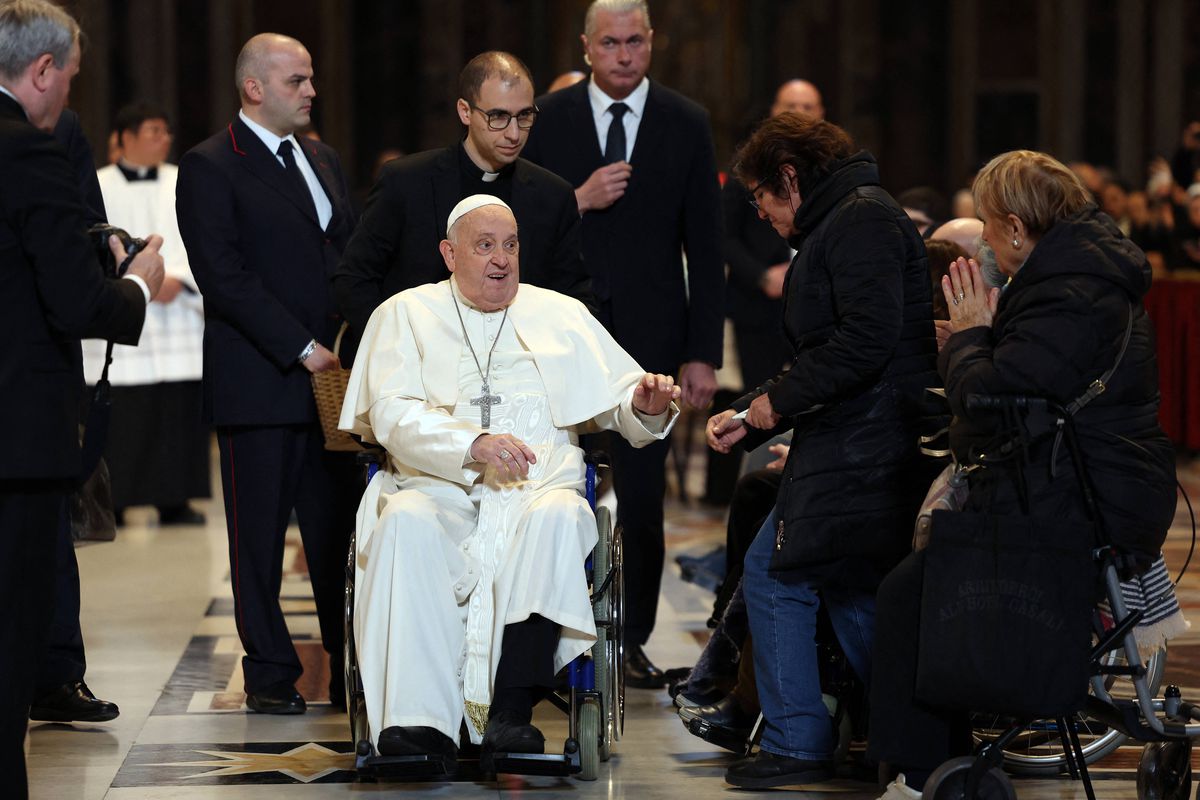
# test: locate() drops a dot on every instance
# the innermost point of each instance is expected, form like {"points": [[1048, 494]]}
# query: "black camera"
{"points": [[99, 235]]}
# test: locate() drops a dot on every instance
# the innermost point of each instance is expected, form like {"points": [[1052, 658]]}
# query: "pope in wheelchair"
{"points": [[470, 586]]}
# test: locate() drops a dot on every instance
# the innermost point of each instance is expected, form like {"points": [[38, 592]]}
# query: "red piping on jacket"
{"points": [[233, 139]]}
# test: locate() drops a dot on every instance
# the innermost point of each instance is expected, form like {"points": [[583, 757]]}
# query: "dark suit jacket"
{"points": [[751, 245], [69, 133], [633, 249], [263, 264], [395, 246], [54, 294]]}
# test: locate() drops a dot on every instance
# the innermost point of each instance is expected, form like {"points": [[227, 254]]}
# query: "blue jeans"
{"points": [[783, 622]]}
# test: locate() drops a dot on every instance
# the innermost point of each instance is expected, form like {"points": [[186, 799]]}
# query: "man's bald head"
{"points": [[964, 232], [255, 59], [800, 97], [506, 67]]}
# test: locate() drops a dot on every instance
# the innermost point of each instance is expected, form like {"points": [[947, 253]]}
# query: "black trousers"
{"points": [[265, 473], [61, 658], [904, 732], [29, 512], [640, 482]]}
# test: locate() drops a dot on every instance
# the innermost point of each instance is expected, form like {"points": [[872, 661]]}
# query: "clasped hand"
{"points": [[508, 454], [970, 300], [723, 431]]}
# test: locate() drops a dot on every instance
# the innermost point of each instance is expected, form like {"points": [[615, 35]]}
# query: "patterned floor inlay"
{"points": [[226, 764]]}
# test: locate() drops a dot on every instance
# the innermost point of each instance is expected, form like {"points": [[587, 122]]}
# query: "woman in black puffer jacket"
{"points": [[858, 316], [1076, 287]]}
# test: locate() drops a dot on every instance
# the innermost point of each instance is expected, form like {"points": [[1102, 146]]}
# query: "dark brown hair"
{"points": [[941, 252], [811, 146], [506, 66]]}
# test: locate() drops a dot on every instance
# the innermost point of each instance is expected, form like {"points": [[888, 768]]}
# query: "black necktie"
{"points": [[614, 148], [299, 185]]}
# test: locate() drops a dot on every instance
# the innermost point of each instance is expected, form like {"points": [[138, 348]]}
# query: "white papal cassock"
{"points": [[448, 554]]}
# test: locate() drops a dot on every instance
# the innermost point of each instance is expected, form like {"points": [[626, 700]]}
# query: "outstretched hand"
{"points": [[654, 393]]}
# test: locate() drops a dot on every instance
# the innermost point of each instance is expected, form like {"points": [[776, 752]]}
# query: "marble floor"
{"points": [[161, 643]]}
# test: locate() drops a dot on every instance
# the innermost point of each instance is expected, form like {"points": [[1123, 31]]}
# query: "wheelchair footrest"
{"points": [[737, 741], [420, 767], [535, 764]]}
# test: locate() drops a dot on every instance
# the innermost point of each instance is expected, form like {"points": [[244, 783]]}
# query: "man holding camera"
{"points": [[55, 293]]}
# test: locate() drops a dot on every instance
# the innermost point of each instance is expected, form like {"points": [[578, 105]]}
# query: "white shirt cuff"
{"points": [[138, 280]]}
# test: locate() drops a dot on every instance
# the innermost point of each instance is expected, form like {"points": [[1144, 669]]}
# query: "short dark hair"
{"points": [[811, 146], [131, 117], [506, 66]]}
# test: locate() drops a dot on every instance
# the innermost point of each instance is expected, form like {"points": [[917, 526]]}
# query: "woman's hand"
{"points": [[509, 455], [762, 414], [723, 431], [654, 393], [780, 451], [970, 301]]}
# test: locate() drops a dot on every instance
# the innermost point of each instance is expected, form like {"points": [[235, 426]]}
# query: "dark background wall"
{"points": [[933, 88]]}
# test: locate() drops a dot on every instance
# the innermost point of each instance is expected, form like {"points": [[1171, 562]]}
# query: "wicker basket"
{"points": [[329, 390]]}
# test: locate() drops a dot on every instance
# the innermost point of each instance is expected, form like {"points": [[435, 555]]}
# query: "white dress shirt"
{"points": [[272, 141], [632, 119]]}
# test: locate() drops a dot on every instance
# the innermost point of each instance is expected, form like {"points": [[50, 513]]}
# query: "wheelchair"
{"points": [[1121, 705], [594, 697]]}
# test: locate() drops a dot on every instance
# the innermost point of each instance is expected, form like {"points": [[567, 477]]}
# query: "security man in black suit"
{"points": [[395, 246], [641, 158], [264, 217], [55, 293]]}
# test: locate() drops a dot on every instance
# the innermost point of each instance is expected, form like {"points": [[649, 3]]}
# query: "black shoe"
{"points": [[417, 741], [726, 713], [278, 698], [677, 679], [180, 515], [766, 770], [640, 672], [72, 702], [507, 733]]}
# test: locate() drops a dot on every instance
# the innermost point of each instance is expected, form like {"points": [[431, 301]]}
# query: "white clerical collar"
{"points": [[636, 99], [271, 140]]}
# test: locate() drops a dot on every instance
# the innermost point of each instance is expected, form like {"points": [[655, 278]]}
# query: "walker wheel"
{"points": [[1165, 771], [589, 740], [949, 782]]}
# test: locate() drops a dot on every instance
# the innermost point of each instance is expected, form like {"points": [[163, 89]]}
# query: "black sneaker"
{"points": [[766, 770]]}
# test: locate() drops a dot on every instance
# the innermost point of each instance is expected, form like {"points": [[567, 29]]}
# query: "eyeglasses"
{"points": [[754, 194], [487, 247], [498, 119]]}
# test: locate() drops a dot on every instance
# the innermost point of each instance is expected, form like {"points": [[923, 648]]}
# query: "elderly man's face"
{"points": [[484, 257], [287, 89], [619, 51], [496, 149]]}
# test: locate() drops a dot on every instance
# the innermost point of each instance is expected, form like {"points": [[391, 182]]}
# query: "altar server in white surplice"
{"points": [[470, 584], [158, 446]]}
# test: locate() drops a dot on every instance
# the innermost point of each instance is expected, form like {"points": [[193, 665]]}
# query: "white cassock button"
{"points": [[458, 586]]}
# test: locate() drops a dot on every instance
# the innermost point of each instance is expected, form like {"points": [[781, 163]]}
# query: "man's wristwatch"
{"points": [[308, 351]]}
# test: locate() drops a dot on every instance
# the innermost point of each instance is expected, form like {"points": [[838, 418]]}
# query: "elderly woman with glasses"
{"points": [[1071, 312], [858, 316]]}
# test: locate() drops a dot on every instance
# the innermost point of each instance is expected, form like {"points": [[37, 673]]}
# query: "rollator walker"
{"points": [[594, 697]]}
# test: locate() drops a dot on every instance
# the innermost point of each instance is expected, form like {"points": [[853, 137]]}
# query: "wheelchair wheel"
{"points": [[1165, 771], [589, 740], [356, 701], [1039, 751], [608, 652], [949, 782]]}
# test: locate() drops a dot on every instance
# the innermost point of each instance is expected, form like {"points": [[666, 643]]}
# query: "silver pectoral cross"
{"points": [[485, 401]]}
